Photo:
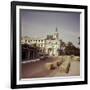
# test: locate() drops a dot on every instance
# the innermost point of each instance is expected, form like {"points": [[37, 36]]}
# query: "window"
{"points": [[29, 41]]}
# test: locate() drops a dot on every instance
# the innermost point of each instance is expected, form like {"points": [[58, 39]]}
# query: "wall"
{"points": [[5, 44]]}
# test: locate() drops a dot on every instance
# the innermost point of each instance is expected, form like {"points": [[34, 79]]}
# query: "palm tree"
{"points": [[79, 40]]}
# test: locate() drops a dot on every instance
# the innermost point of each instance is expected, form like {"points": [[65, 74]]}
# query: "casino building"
{"points": [[49, 45]]}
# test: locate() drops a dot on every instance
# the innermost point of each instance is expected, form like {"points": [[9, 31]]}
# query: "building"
{"points": [[49, 45]]}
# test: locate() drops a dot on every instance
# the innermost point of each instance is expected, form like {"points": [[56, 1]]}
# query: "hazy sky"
{"points": [[40, 23]]}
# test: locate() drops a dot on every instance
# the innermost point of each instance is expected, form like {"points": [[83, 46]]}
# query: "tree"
{"points": [[34, 45], [62, 47], [70, 48], [62, 43], [79, 40], [70, 44]]}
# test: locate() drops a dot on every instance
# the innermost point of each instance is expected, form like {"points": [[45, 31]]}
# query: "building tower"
{"points": [[56, 34]]}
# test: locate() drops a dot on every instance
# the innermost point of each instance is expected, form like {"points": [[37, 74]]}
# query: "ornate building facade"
{"points": [[49, 45]]}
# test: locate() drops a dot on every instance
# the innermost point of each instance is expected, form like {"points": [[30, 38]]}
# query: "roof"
{"points": [[33, 38]]}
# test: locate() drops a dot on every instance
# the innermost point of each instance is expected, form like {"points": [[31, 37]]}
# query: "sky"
{"points": [[36, 23]]}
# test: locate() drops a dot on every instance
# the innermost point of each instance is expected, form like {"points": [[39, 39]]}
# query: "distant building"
{"points": [[49, 45]]}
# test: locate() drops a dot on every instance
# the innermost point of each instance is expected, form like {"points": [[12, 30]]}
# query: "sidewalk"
{"points": [[31, 60]]}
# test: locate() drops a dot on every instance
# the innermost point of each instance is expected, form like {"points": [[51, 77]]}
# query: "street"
{"points": [[37, 69]]}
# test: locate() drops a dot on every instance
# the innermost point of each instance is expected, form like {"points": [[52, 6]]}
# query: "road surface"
{"points": [[38, 70]]}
